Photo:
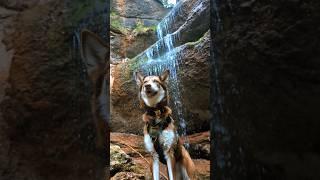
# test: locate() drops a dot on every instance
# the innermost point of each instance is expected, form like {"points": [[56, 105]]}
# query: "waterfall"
{"points": [[158, 62], [168, 3]]}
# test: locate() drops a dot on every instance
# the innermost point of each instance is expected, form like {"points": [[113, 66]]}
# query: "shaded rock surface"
{"points": [[269, 74], [21, 4], [200, 145], [133, 26], [42, 136], [133, 145], [143, 9]]}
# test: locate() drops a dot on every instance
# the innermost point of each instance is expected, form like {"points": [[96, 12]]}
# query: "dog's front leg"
{"points": [[167, 139], [150, 148], [155, 156], [170, 165], [155, 166]]}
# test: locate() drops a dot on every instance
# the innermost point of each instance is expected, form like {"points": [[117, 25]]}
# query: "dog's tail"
{"points": [[186, 160]]}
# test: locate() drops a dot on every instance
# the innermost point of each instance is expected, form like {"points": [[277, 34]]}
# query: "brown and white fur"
{"points": [[153, 94]]}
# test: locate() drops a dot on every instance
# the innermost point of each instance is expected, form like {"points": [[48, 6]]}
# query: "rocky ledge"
{"points": [[129, 160]]}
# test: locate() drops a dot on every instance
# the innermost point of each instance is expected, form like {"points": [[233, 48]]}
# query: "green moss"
{"points": [[135, 169], [129, 68], [136, 63], [117, 24], [113, 13], [141, 28], [198, 41]]}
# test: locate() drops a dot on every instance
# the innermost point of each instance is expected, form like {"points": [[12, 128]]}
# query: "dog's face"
{"points": [[152, 88]]}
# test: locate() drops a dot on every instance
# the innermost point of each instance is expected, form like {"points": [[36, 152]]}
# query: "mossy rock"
{"points": [[121, 162]]}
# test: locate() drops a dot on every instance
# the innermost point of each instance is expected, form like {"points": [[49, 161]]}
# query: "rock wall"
{"points": [[43, 135], [133, 24], [6, 16], [268, 55]]}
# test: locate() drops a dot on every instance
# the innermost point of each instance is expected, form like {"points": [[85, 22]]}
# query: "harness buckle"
{"points": [[158, 113]]}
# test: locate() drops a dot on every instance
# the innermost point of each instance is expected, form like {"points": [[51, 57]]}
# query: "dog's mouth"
{"points": [[151, 93]]}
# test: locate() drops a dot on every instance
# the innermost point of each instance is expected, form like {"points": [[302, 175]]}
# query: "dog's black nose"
{"points": [[147, 86]]}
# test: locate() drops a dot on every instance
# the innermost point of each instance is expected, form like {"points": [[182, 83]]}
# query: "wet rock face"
{"points": [[47, 139], [21, 4], [269, 80], [130, 44], [133, 25], [195, 84], [143, 9]]}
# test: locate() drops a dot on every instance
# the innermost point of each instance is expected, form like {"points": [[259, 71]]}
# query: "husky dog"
{"points": [[160, 135]]}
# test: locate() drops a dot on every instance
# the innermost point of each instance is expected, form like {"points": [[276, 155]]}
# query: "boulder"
{"points": [[142, 9], [47, 127], [21, 4], [6, 17], [121, 162], [268, 69], [133, 25]]}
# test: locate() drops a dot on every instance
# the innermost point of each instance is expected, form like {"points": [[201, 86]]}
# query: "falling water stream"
{"points": [[168, 58]]}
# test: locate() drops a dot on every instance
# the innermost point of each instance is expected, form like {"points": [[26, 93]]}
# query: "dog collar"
{"points": [[155, 112]]}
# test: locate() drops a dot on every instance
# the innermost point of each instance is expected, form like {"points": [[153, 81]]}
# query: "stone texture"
{"points": [[188, 22], [268, 55], [133, 26], [21, 4], [42, 135], [143, 9], [121, 162]]}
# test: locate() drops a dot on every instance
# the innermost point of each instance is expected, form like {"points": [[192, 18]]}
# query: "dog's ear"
{"points": [[139, 78], [93, 51], [164, 76]]}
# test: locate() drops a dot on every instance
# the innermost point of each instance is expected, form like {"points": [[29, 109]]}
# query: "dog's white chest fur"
{"points": [[167, 138]]}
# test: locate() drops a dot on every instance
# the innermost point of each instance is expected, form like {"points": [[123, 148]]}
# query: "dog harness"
{"points": [[158, 123], [154, 127]]}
